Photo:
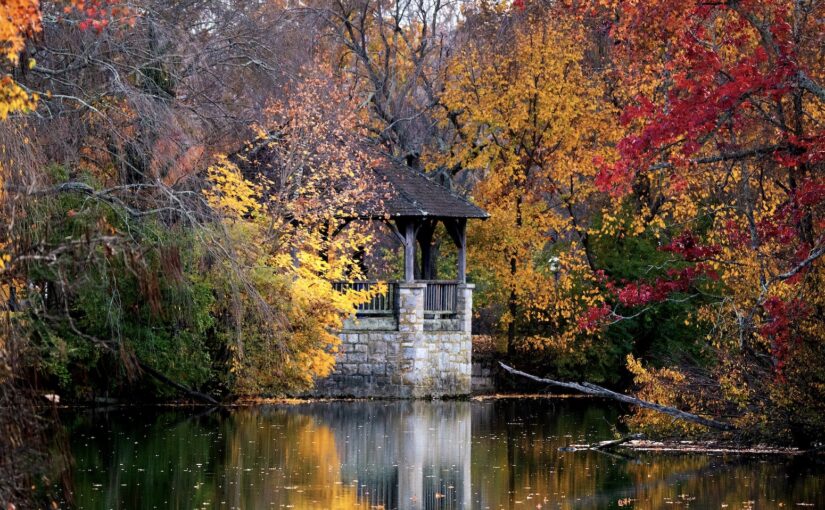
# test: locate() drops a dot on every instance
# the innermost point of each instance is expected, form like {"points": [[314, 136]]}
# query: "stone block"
{"points": [[346, 368], [357, 357]]}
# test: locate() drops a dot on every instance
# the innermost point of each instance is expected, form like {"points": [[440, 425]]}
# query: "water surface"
{"points": [[407, 455]]}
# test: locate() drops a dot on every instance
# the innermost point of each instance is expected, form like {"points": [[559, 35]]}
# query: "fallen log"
{"points": [[602, 445], [598, 391], [606, 445]]}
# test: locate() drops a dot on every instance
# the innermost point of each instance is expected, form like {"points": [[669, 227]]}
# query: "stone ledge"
{"points": [[411, 285]]}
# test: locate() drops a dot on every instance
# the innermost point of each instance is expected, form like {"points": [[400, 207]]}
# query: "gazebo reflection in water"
{"points": [[410, 455]]}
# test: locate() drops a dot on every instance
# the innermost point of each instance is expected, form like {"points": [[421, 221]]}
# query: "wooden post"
{"points": [[462, 251], [409, 251], [457, 228]]}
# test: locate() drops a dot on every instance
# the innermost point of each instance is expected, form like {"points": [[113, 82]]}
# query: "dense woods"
{"points": [[654, 171]]}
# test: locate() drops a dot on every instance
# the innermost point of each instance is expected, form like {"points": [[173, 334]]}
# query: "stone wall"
{"points": [[406, 356], [483, 380]]}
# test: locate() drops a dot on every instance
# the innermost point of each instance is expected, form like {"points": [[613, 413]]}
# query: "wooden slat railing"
{"points": [[382, 303], [441, 296]]}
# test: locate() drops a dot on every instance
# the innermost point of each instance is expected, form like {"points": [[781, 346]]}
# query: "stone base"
{"points": [[411, 354], [387, 364], [484, 377]]}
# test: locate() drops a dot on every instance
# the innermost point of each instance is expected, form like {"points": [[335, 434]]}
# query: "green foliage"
{"points": [[221, 307], [666, 331], [124, 289]]}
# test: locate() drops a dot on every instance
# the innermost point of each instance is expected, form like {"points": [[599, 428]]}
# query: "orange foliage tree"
{"points": [[286, 197]]}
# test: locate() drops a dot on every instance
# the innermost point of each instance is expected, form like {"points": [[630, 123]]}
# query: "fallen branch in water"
{"points": [[606, 445], [602, 445], [598, 391]]}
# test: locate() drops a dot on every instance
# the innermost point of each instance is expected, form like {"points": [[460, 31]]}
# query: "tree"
{"points": [[290, 193], [726, 148], [20, 428], [532, 117], [394, 55], [20, 19], [113, 232]]}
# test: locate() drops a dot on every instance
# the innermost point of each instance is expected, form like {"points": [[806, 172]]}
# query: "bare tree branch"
{"points": [[598, 391]]}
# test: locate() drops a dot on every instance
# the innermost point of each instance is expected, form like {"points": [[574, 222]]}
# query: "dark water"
{"points": [[407, 455]]}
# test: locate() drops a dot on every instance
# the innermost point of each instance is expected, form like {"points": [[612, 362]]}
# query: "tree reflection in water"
{"points": [[406, 455]]}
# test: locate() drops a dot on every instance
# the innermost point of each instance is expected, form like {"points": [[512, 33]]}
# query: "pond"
{"points": [[406, 455]]}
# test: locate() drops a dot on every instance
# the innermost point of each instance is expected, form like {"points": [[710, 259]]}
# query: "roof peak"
{"points": [[414, 193]]}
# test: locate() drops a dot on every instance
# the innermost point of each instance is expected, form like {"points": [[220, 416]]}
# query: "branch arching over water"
{"points": [[598, 391]]}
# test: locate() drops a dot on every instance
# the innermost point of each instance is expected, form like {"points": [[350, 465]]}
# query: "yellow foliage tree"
{"points": [[18, 20], [300, 181], [531, 121]]}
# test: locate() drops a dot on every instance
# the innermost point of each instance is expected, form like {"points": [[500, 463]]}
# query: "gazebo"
{"points": [[412, 205], [414, 338]]}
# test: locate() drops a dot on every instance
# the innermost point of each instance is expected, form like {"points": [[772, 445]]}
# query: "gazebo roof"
{"points": [[398, 190], [409, 193]]}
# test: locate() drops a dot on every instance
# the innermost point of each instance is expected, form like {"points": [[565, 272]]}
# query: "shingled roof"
{"points": [[409, 193]]}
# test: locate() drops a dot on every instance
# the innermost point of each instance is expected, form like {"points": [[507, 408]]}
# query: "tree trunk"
{"points": [[598, 391], [203, 397]]}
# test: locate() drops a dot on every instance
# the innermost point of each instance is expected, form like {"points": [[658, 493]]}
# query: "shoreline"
{"points": [[256, 401]]}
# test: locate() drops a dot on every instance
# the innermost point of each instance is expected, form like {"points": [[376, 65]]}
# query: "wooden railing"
{"points": [[441, 296], [382, 303]]}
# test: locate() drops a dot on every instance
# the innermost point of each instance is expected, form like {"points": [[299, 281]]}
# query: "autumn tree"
{"points": [[724, 106], [130, 274], [532, 117], [291, 193], [394, 55], [20, 427]]}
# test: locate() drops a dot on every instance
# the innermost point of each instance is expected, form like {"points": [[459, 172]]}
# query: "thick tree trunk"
{"points": [[598, 391]]}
